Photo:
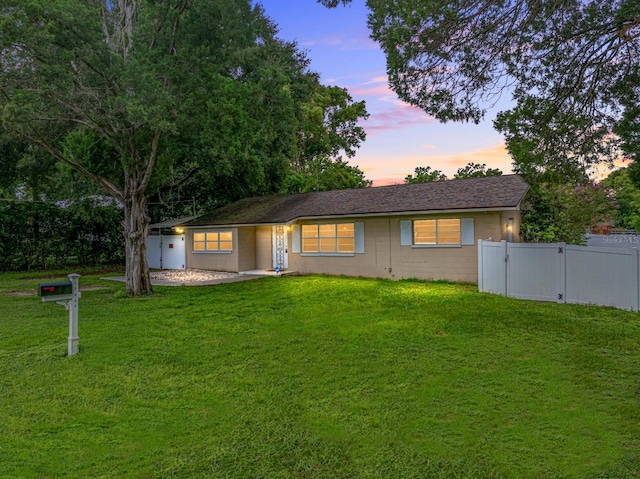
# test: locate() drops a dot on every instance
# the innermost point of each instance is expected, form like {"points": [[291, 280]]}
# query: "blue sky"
{"points": [[399, 137]]}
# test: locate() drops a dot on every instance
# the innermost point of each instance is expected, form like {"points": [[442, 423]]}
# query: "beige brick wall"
{"points": [[367, 264], [246, 248], [384, 257], [264, 250]]}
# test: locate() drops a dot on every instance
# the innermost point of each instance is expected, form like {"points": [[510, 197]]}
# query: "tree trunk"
{"points": [[136, 229]]}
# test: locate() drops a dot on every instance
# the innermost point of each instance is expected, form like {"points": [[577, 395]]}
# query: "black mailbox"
{"points": [[55, 291]]}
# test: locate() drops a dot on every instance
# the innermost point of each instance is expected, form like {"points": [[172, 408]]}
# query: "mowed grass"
{"points": [[316, 377]]}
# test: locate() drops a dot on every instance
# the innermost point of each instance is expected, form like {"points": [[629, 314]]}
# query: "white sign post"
{"points": [[72, 306]]}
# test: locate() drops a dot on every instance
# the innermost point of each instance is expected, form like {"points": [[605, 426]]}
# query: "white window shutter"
{"points": [[359, 236], [295, 239], [467, 232], [406, 233]]}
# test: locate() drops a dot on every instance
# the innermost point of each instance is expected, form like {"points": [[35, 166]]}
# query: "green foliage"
{"points": [[268, 126], [11, 150], [196, 101], [424, 174], [316, 377], [628, 128], [627, 195], [543, 146], [475, 170], [564, 212], [323, 174], [570, 67], [329, 125], [44, 235]]}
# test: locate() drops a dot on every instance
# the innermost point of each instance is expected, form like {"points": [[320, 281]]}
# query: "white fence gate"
{"points": [[561, 273], [166, 251]]}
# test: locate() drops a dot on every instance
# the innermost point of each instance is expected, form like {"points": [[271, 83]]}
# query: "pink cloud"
{"points": [[395, 113], [378, 90], [379, 79], [395, 118]]}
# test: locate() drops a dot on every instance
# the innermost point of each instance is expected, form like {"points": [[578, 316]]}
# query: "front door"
{"points": [[280, 247]]}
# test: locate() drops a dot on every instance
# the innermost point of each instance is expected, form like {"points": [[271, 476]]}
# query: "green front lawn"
{"points": [[309, 377]]}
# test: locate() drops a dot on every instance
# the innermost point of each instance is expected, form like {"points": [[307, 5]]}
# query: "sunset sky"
{"points": [[399, 137]]}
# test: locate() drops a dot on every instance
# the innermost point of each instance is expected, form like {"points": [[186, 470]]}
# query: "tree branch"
{"points": [[142, 187], [112, 189]]}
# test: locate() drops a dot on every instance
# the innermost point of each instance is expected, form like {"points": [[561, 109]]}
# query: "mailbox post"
{"points": [[66, 293], [72, 306]]}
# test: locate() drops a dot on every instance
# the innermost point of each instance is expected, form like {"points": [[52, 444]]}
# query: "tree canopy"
{"points": [[627, 195], [312, 128], [424, 174], [476, 170], [329, 125], [571, 67], [324, 174], [564, 212]]}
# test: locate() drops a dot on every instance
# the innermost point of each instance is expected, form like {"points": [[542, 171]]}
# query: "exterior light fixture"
{"points": [[179, 230], [510, 230]]}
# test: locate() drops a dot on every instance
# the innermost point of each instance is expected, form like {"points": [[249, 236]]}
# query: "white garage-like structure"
{"points": [[166, 245]]}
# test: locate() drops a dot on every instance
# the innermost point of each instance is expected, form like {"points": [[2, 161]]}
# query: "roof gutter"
{"points": [[413, 213], [363, 215]]}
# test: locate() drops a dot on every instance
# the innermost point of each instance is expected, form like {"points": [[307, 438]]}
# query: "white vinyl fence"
{"points": [[561, 273]]}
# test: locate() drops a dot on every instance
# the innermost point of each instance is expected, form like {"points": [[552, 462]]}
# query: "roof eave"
{"points": [[363, 215], [239, 225], [414, 213]]}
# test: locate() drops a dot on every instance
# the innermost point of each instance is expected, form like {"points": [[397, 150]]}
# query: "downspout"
{"points": [[390, 254]]}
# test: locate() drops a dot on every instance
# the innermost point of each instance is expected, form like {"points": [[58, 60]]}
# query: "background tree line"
{"points": [[43, 235]]}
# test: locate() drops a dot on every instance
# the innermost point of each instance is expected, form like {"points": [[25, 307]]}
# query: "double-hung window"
{"points": [[445, 232], [213, 242], [328, 238], [437, 232]]}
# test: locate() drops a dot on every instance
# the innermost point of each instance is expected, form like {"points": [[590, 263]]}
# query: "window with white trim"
{"points": [[213, 242], [442, 231], [436, 232], [328, 238]]}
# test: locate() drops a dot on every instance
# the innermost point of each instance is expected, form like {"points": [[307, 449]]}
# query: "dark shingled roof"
{"points": [[170, 223], [467, 194]]}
